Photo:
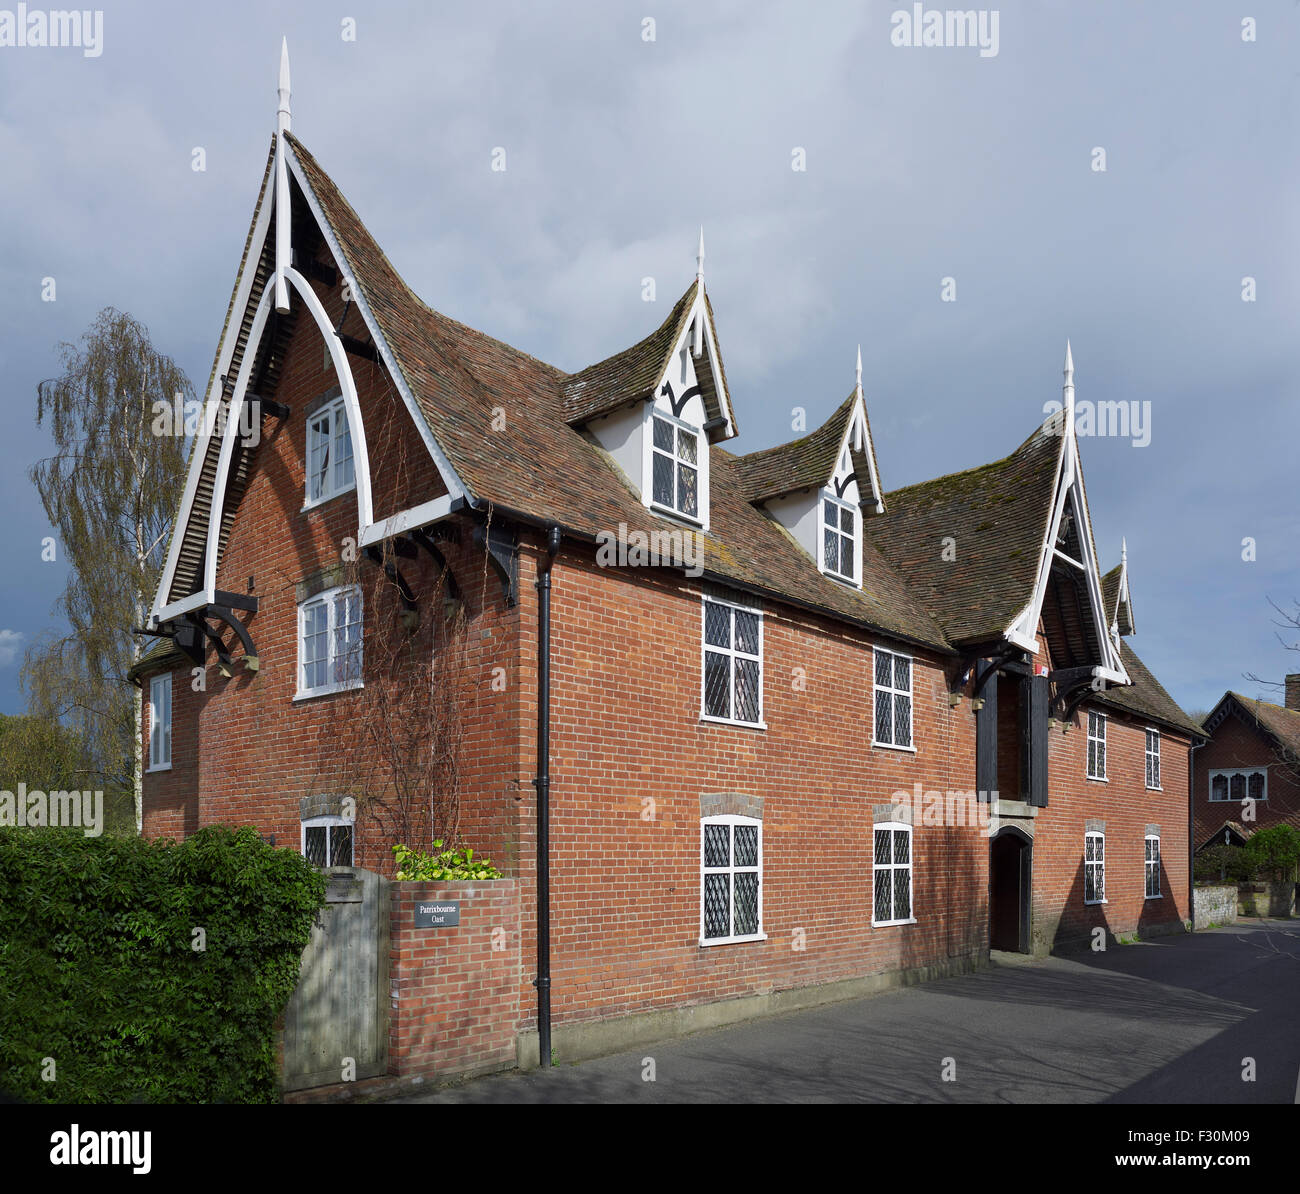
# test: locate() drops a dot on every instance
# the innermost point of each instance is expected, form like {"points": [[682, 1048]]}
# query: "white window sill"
{"points": [[329, 497], [1257, 799], [328, 690], [891, 746], [704, 941], [731, 721], [159, 767], [1097, 779], [1157, 896], [1091, 903], [889, 924], [1157, 788], [847, 581], [688, 521]]}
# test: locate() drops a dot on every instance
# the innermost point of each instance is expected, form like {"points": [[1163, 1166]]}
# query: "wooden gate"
{"points": [[339, 1009]]}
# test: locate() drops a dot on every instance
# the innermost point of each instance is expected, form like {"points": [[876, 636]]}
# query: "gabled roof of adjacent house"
{"points": [[996, 517], [1282, 724]]}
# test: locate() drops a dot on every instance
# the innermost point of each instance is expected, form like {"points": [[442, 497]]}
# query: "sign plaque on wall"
{"points": [[437, 914]]}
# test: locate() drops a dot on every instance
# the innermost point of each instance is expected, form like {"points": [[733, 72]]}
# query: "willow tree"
{"points": [[110, 491]]}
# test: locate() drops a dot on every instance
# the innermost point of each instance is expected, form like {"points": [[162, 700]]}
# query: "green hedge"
{"points": [[99, 970]]}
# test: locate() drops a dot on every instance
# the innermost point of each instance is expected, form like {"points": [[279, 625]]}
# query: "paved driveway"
{"points": [[1162, 1022]]}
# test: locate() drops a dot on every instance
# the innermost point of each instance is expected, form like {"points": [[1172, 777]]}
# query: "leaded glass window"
{"points": [[731, 865], [327, 841], [1152, 866], [1153, 759], [1096, 746], [733, 662], [891, 874], [839, 540], [1094, 868], [675, 467], [893, 703]]}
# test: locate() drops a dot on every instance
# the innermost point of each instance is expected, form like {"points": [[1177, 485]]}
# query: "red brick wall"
{"points": [[455, 1002], [1126, 806], [1235, 744]]}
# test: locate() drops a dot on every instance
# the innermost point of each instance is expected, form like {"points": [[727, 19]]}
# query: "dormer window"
{"points": [[839, 539], [675, 464]]}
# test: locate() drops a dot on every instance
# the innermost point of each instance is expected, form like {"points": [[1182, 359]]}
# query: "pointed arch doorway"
{"points": [[1011, 869]]}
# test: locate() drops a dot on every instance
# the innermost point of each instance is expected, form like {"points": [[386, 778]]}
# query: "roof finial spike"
{"points": [[1123, 550], [1068, 389], [699, 258], [282, 113], [859, 371]]}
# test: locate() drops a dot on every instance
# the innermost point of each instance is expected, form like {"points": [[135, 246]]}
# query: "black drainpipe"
{"points": [[543, 785]]}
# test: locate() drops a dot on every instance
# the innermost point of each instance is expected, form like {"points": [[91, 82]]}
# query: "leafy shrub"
{"points": [[1222, 863], [1272, 853], [100, 970], [446, 866]]}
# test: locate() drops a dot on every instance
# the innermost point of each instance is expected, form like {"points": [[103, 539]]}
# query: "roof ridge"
{"points": [[979, 468], [843, 408]]}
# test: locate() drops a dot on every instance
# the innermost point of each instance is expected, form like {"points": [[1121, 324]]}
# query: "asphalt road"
{"points": [[1170, 1021]]}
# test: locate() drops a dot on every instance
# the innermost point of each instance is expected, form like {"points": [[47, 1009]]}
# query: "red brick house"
{"points": [[793, 732], [1247, 776]]}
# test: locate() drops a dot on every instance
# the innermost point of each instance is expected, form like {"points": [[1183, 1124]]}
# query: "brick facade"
{"points": [[1238, 743]]}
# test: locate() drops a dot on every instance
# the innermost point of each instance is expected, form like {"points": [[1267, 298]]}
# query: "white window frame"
{"points": [[1151, 866], [338, 416], [329, 821], [160, 726], [1151, 760], [850, 578], [732, 654], [891, 865], [909, 692], [329, 598], [1098, 864], [701, 473], [1102, 719], [732, 820], [1246, 773]]}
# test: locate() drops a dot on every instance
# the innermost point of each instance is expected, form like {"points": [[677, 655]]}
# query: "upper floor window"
{"points": [[160, 722], [892, 874], [675, 464], [1153, 759], [327, 841], [893, 690], [733, 662], [839, 539], [1096, 746], [731, 866], [329, 453], [1152, 866], [329, 642], [1239, 784], [1094, 868]]}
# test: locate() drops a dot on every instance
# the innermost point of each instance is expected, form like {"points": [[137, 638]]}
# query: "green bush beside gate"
{"points": [[104, 986]]}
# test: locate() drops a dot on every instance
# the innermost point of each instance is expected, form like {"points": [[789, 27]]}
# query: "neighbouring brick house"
{"points": [[1247, 776], [837, 733]]}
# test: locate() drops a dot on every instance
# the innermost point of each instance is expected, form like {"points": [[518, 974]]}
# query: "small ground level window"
{"points": [[1094, 868], [731, 863], [892, 874], [1152, 866], [327, 841]]}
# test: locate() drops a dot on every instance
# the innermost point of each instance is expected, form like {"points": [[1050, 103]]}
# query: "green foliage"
{"points": [[446, 866], [1221, 863], [99, 968], [1273, 853]]}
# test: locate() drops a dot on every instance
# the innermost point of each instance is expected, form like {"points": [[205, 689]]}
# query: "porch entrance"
{"points": [[1011, 854]]}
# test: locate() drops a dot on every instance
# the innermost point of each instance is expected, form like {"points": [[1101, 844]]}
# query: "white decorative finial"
{"points": [[858, 384], [1068, 390], [699, 258], [1123, 550], [282, 113]]}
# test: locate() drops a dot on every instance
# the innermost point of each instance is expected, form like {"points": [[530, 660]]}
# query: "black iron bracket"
{"points": [[375, 555], [419, 538], [502, 547]]}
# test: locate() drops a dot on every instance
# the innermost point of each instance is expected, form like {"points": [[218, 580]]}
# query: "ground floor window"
{"points": [[1094, 868], [892, 874], [731, 865], [327, 841], [1152, 866]]}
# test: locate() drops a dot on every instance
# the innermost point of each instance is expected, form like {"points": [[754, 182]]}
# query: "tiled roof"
{"points": [[806, 463], [1282, 723], [163, 653], [628, 375], [996, 517], [542, 468], [1146, 697]]}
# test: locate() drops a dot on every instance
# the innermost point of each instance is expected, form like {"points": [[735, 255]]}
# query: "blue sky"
{"points": [[923, 163]]}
